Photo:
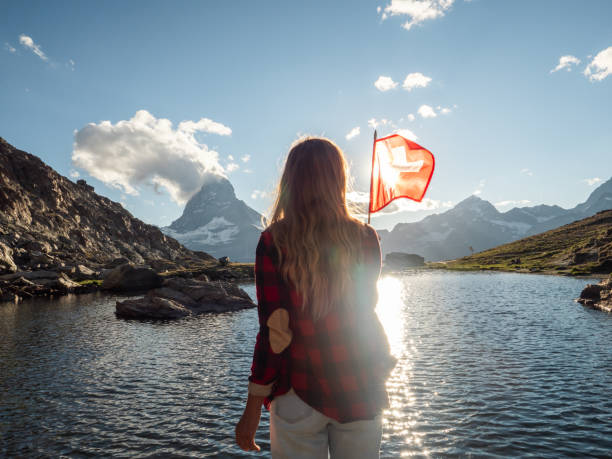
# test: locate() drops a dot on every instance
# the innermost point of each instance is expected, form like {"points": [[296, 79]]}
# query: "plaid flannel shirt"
{"points": [[337, 364]]}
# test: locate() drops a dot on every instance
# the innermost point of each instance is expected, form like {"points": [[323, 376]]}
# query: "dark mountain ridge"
{"points": [[48, 220]]}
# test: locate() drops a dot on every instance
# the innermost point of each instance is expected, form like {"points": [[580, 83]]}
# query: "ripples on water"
{"points": [[489, 365]]}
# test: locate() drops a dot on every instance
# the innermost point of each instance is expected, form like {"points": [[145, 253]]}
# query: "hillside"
{"points": [[581, 247], [47, 221]]}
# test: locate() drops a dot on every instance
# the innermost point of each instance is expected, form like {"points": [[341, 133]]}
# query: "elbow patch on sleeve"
{"points": [[280, 333]]}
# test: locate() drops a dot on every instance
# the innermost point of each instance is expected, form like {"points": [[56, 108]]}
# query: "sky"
{"points": [[143, 99]]}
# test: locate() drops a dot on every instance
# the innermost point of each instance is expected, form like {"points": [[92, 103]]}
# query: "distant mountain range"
{"points": [[582, 247], [475, 224], [217, 222]]}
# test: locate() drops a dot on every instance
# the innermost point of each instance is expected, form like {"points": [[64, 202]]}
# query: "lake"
{"points": [[490, 365]]}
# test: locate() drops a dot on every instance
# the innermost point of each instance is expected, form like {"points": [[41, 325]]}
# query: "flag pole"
{"points": [[371, 175]]}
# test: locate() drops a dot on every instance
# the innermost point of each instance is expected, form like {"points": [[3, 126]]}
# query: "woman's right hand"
{"points": [[247, 426]]}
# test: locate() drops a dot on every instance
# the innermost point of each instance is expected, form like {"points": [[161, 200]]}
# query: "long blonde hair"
{"points": [[316, 237]]}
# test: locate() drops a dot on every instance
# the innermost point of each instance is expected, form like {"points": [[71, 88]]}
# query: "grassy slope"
{"points": [[582, 247]]}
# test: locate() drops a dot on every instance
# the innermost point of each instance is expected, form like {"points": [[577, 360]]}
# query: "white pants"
{"points": [[299, 431]]}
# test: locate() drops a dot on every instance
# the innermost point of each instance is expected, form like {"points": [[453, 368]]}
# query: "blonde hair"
{"points": [[316, 237]]}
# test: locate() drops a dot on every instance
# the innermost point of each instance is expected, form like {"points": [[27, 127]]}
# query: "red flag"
{"points": [[400, 169]]}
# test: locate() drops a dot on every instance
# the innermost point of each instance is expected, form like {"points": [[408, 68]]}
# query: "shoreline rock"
{"points": [[180, 297], [598, 296]]}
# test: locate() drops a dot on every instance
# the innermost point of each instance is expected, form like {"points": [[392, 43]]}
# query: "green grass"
{"points": [[97, 282]]}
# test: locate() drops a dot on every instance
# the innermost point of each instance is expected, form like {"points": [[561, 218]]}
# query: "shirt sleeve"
{"points": [[274, 334]]}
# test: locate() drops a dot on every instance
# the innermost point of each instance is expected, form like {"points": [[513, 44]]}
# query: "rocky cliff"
{"points": [[48, 221]]}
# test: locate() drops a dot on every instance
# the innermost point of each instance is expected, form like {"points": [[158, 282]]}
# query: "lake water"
{"points": [[490, 364]]}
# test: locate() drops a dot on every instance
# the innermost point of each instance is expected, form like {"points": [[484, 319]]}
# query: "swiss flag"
{"points": [[400, 169]]}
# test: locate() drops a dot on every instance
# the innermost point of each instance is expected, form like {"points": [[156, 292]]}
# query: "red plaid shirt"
{"points": [[338, 364]]}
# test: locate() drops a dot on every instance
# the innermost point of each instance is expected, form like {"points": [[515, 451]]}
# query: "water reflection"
{"points": [[489, 365], [400, 419]]}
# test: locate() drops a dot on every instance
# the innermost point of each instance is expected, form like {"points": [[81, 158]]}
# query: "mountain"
{"points": [[581, 247], [216, 221], [475, 223], [46, 220]]}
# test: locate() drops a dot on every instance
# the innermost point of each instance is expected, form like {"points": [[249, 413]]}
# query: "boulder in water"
{"points": [[185, 297], [400, 260], [131, 278], [598, 296], [151, 307]]}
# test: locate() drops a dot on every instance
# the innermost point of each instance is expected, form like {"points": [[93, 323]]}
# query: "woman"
{"points": [[321, 356]]}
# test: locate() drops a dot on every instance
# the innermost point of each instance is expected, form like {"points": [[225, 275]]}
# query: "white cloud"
{"points": [[601, 65], [28, 43], [521, 202], [245, 158], [416, 10], [479, 188], [231, 167], [385, 83], [148, 150], [259, 194], [247, 171], [353, 133], [74, 174], [204, 125], [407, 134], [411, 117], [70, 64], [426, 111], [592, 181], [445, 110], [566, 62], [526, 171], [415, 80], [358, 203], [374, 123], [9, 48]]}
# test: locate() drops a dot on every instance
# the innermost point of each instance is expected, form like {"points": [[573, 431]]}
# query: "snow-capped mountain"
{"points": [[217, 222], [475, 224]]}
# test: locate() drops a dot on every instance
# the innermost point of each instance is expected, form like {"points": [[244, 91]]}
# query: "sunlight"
{"points": [[389, 310]]}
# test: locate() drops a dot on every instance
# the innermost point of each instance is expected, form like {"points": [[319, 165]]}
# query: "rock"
{"points": [[7, 265], [129, 277], [161, 265], [116, 262], [23, 282], [151, 307], [9, 297], [62, 283], [31, 275], [175, 295], [224, 261], [82, 272], [598, 296], [36, 246], [191, 295], [399, 260], [40, 258]]}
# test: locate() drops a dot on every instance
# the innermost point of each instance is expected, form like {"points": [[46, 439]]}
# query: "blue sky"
{"points": [[87, 86]]}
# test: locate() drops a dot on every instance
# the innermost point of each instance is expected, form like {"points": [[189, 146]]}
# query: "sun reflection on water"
{"points": [[402, 416]]}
